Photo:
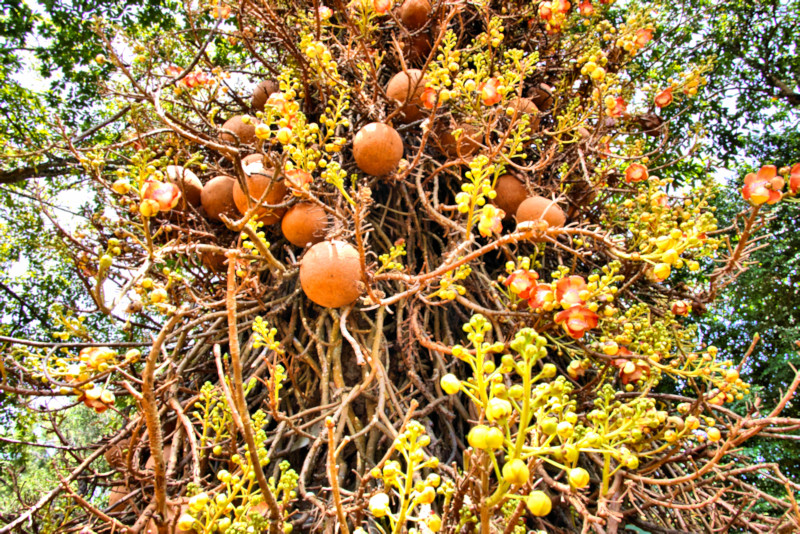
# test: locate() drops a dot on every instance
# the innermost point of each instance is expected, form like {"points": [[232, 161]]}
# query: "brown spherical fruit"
{"points": [[539, 208], [217, 197], [330, 273], [115, 495], [377, 149], [417, 48], [173, 513], [406, 87], [190, 185], [252, 158], [213, 261], [542, 96], [415, 13], [261, 93], [510, 194], [304, 223], [260, 180], [245, 132], [467, 144]]}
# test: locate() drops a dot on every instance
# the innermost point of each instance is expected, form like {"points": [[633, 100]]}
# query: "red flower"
{"points": [[568, 291], [489, 91], [540, 295], [794, 178], [165, 194], [428, 97], [680, 307], [664, 98], [382, 6], [173, 70], [576, 320], [586, 8], [636, 172], [643, 37], [520, 282], [546, 10], [758, 187]]}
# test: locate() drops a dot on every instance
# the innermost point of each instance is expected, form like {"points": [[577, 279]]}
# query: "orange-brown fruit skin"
{"points": [[190, 185], [173, 513], [261, 94], [542, 97], [330, 273], [539, 208], [467, 144], [407, 87], [304, 223], [415, 13], [214, 261], [257, 183], [377, 149], [526, 105], [510, 194], [417, 48], [245, 132], [252, 158], [217, 197]]}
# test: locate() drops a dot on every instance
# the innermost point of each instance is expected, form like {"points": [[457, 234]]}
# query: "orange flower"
{"points": [[428, 97], [664, 98], [636, 172], [643, 37], [298, 180], [521, 282], [586, 8], [540, 295], [568, 291], [165, 195], [576, 320], [758, 187], [491, 220], [619, 108], [794, 178], [546, 10], [490, 93], [382, 6], [631, 370], [562, 6], [680, 307]]}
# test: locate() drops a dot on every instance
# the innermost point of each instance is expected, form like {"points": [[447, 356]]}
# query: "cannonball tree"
{"points": [[405, 355]]}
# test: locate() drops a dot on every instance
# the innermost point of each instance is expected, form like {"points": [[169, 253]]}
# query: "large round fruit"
{"points": [[540, 208], [415, 13], [258, 181], [510, 194], [330, 273], [304, 223], [190, 185], [377, 149], [246, 133], [407, 86], [217, 197], [261, 94]]}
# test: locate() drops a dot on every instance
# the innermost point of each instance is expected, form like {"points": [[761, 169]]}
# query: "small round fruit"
{"points": [[217, 197], [539, 503], [190, 185], [304, 223], [261, 94], [539, 208], [330, 273], [377, 149], [260, 180], [510, 194], [246, 133], [407, 86], [415, 13]]}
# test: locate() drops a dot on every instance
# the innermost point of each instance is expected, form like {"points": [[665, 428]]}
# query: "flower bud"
{"points": [[450, 384], [516, 472], [578, 477], [538, 503]]}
